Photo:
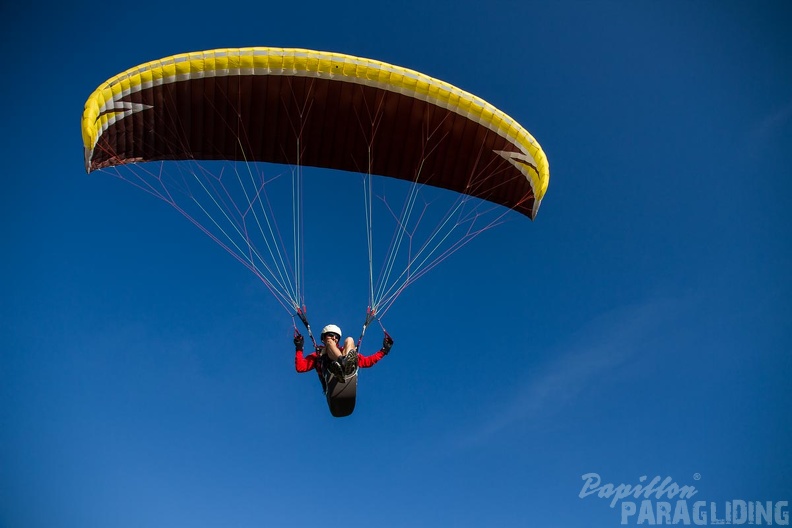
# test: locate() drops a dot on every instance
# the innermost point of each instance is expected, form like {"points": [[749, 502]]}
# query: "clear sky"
{"points": [[641, 326]]}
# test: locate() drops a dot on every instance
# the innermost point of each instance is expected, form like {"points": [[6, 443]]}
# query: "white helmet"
{"points": [[331, 329]]}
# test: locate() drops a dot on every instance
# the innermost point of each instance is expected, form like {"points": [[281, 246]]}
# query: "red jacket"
{"points": [[304, 364]]}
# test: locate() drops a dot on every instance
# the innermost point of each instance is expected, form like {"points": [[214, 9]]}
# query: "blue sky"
{"points": [[640, 326]]}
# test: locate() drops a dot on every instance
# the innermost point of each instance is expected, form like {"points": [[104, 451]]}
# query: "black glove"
{"points": [[387, 343], [299, 342]]}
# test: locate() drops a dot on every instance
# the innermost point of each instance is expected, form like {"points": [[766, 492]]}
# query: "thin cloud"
{"points": [[771, 124], [597, 350]]}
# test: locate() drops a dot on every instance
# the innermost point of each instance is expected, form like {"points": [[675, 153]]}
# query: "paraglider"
{"points": [[337, 368], [201, 131]]}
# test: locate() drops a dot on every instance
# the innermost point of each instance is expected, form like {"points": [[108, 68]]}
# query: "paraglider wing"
{"points": [[328, 110]]}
